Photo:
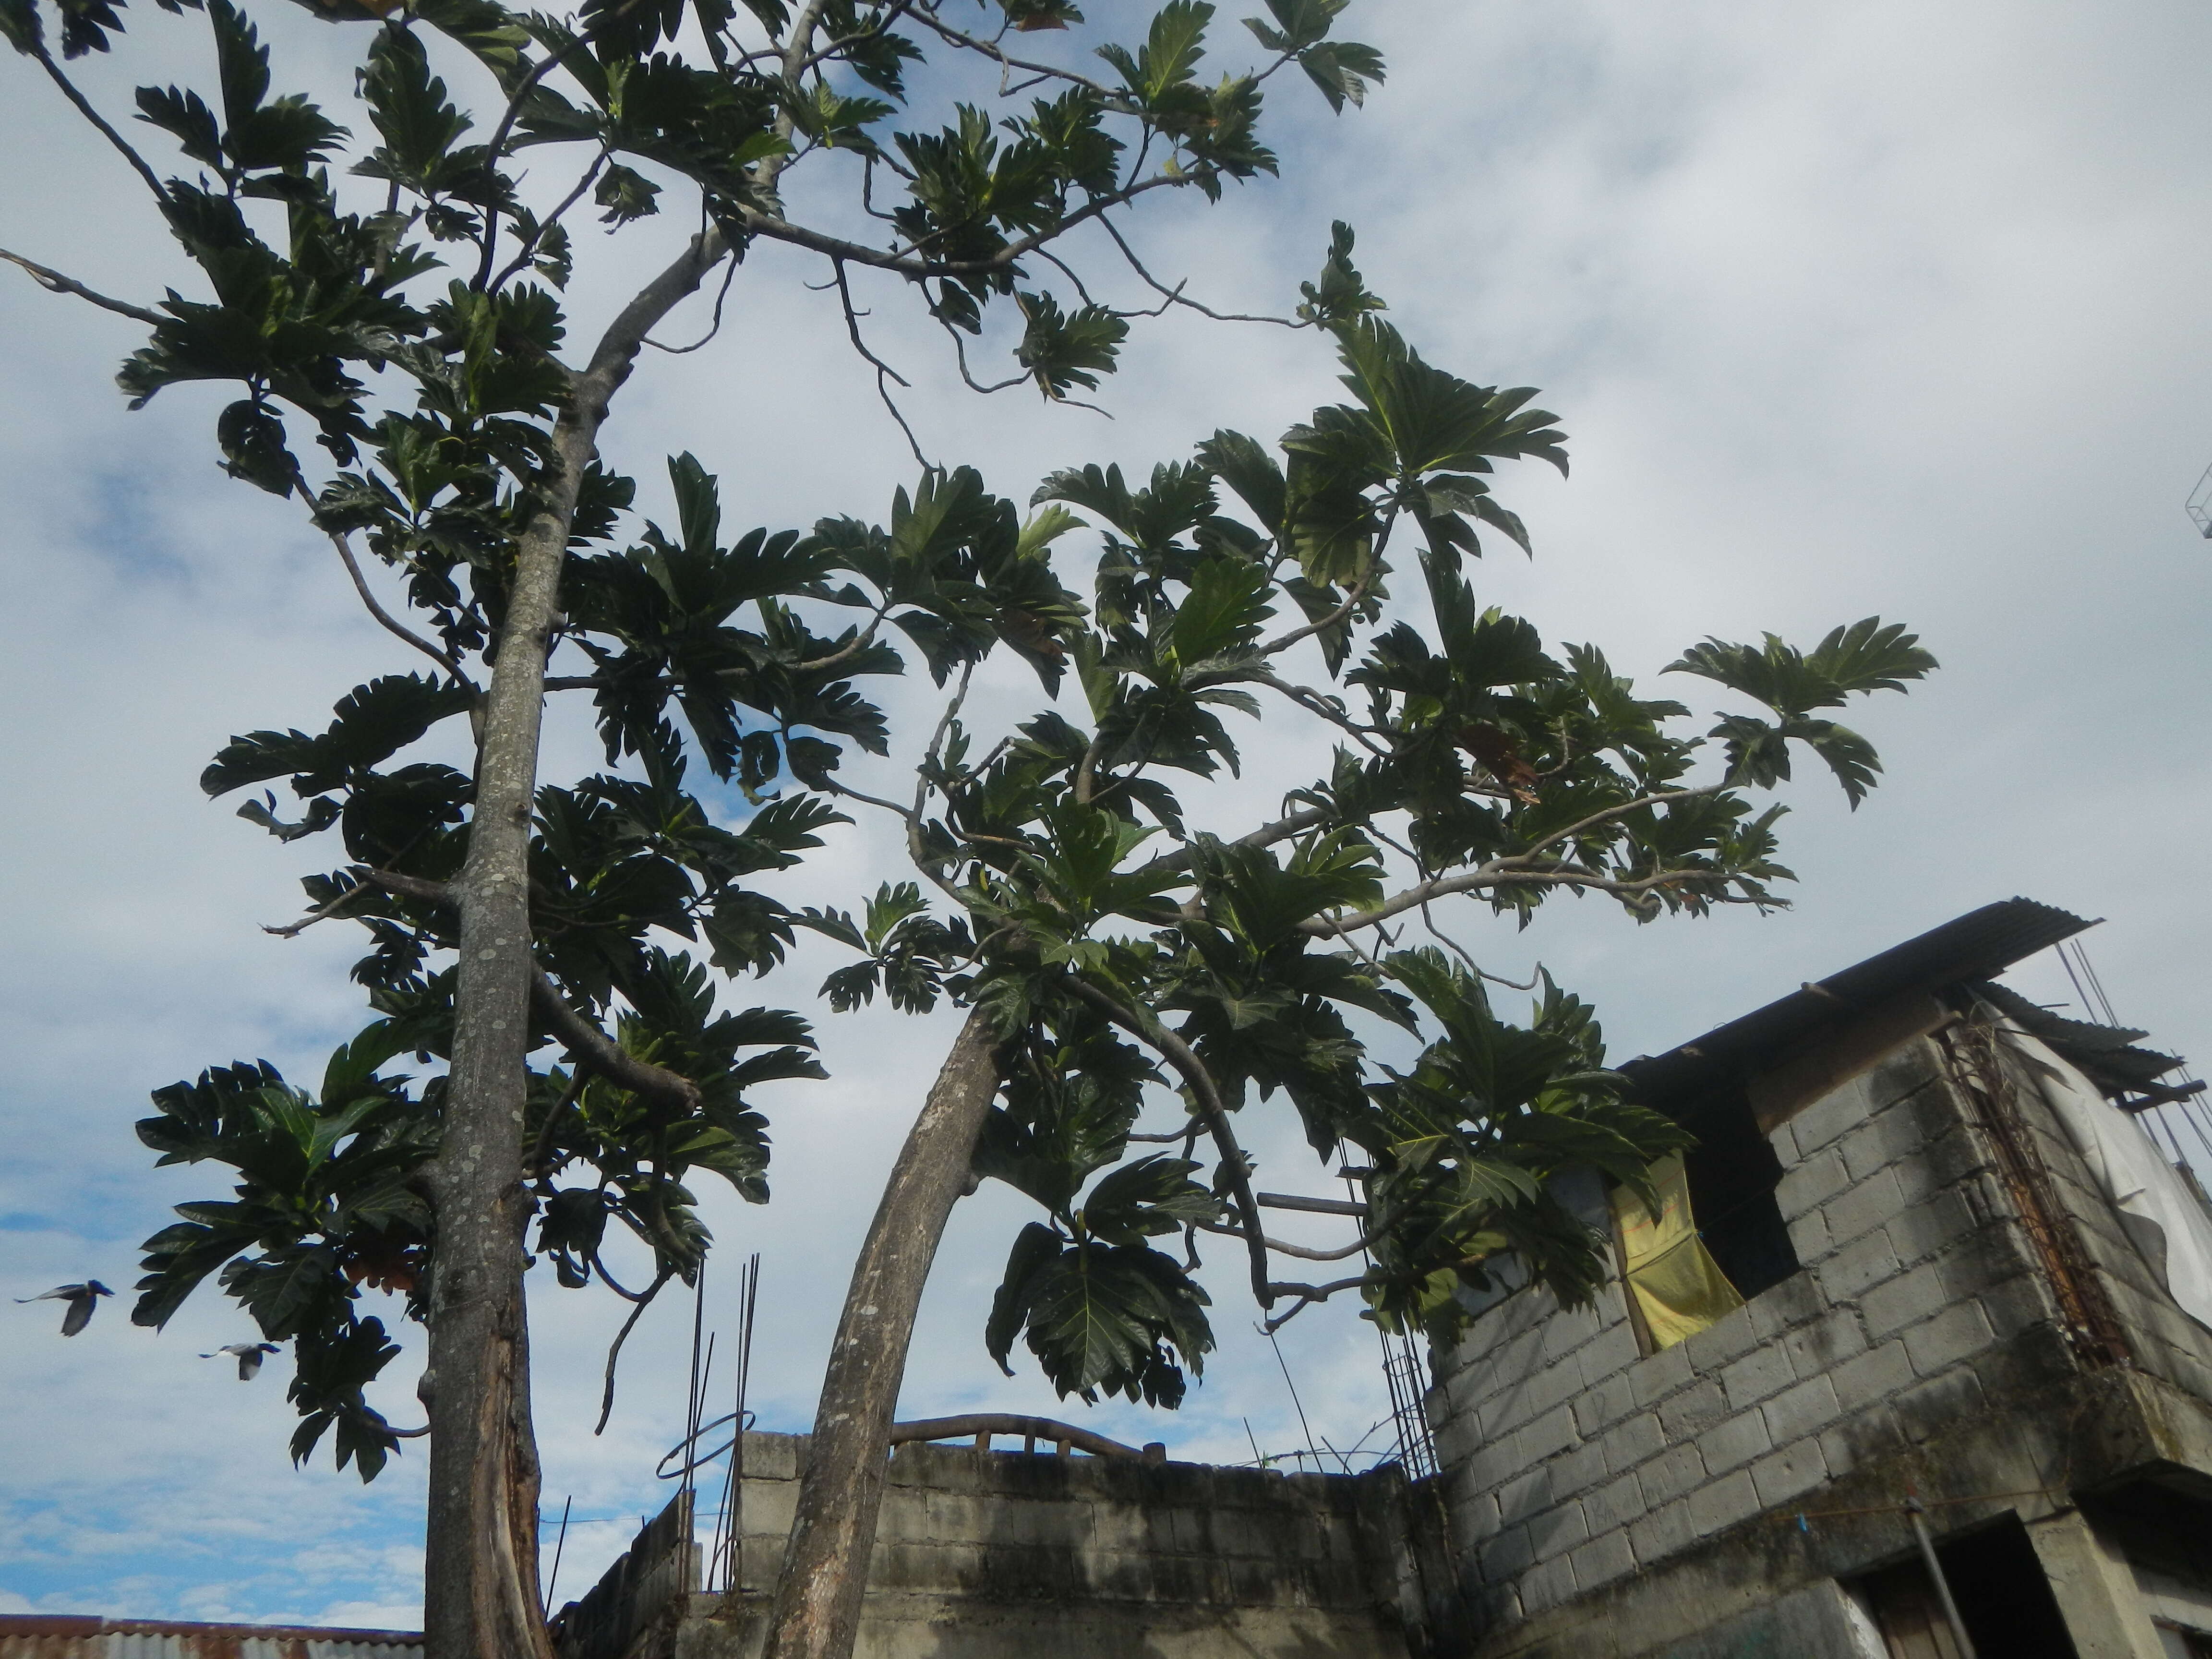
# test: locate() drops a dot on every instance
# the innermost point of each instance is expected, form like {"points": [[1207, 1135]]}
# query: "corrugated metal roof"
{"points": [[1978, 945], [44, 1636]]}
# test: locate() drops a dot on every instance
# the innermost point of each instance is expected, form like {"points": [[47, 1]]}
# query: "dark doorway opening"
{"points": [[2002, 1594]]}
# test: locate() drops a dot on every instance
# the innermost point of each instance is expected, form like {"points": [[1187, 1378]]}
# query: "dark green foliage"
{"points": [[384, 289], [1123, 956]]}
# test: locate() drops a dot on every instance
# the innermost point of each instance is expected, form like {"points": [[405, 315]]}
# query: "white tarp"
{"points": [[2157, 1208]]}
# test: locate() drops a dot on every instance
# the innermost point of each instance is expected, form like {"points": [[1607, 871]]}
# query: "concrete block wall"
{"points": [[2162, 1339], [1006, 1555], [1572, 1461]]}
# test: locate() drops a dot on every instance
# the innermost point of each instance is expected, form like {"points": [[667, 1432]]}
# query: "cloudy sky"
{"points": [[1847, 310]]}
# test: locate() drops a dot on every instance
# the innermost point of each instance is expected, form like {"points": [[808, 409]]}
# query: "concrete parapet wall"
{"points": [[980, 1553]]}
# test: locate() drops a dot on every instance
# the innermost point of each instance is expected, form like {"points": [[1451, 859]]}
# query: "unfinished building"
{"points": [[1914, 1364]]}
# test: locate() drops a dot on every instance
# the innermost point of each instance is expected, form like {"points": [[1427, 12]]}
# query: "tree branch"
{"points": [[1300, 1250], [84, 108], [392, 624], [54, 282], [1211, 1108], [614, 1352], [606, 1057]]}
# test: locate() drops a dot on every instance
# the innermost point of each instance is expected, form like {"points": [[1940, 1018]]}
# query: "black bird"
{"points": [[248, 1355], [81, 1299]]}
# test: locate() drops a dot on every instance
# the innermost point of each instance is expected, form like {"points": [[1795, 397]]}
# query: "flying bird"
{"points": [[248, 1354], [81, 1299]]}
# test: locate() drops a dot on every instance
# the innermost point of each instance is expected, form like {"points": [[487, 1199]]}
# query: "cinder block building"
{"points": [[1948, 1392]]}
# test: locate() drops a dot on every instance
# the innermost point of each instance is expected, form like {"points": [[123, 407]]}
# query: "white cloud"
{"points": [[1846, 310]]}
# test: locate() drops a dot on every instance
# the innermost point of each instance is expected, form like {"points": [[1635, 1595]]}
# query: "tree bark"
{"points": [[480, 1596], [816, 1612]]}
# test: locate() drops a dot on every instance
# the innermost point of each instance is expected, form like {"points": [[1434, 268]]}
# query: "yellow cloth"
{"points": [[1678, 1285]]}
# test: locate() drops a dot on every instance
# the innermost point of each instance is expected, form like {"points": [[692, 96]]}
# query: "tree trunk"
{"points": [[480, 1593], [480, 1597], [816, 1612]]}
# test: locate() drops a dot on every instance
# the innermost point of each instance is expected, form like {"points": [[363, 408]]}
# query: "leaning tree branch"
{"points": [[1211, 1108], [54, 282], [606, 1057]]}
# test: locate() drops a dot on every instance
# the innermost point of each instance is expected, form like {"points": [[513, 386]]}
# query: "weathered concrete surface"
{"points": [[984, 1554]]}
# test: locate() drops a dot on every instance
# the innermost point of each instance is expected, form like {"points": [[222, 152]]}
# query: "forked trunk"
{"points": [[816, 1612]]}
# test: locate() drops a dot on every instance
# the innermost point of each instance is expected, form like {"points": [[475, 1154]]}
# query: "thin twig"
{"points": [[607, 1397], [729, 276], [885, 372], [444, 660], [54, 282], [1176, 296], [84, 108]]}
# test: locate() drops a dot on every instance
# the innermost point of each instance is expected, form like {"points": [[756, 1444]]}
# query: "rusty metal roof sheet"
{"points": [[1978, 945], [43, 1636]]}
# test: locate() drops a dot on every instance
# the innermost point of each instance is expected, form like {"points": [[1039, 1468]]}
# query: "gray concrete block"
{"points": [[1722, 1503], [1832, 1115], [1890, 1136], [1930, 1227], [1787, 1473], [1546, 1586], [1557, 1530], [1787, 1306], [1603, 1560], [1661, 1533], [1696, 1409], [1809, 1235], [1552, 1433], [1865, 1207], [1826, 1343], [1476, 1519], [1659, 1374], [1805, 1409], [1937, 1405], [1567, 1330], [1873, 1376], [1607, 1354], [1599, 1407], [1720, 1341], [773, 1456], [1784, 1144], [1914, 1294], [1506, 1556], [1733, 1441], [1615, 1504], [1856, 1267], [1675, 1472], [1524, 1495], [1762, 1372], [2018, 1304], [1958, 1331], [1552, 1387], [1493, 1463], [1631, 1441], [1579, 1470], [1811, 1183], [1866, 1436]]}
